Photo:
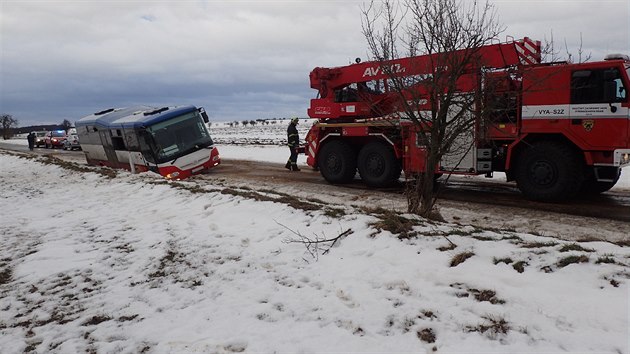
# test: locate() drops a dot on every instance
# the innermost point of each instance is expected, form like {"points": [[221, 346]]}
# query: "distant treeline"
{"points": [[33, 128]]}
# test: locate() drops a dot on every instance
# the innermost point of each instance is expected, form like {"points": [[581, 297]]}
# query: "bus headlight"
{"points": [[172, 175]]}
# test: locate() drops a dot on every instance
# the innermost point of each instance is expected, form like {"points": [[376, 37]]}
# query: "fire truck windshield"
{"points": [[179, 136]]}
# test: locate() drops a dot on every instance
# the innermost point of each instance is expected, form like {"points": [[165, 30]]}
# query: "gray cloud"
{"points": [[240, 59]]}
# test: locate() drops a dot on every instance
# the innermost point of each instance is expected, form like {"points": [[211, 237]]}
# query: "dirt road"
{"points": [[474, 202]]}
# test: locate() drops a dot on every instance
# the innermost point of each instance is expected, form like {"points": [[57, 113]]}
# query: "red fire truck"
{"points": [[563, 128]]}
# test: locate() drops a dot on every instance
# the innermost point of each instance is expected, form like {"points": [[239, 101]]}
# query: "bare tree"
{"points": [[548, 50], [551, 54], [450, 33], [8, 123], [66, 124], [581, 56]]}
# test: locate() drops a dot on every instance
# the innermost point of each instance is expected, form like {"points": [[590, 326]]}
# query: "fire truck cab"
{"points": [[580, 111]]}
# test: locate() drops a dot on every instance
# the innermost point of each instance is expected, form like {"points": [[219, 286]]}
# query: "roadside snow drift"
{"points": [[135, 264]]}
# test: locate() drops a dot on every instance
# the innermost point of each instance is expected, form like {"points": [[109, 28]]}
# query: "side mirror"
{"points": [[610, 91], [204, 115]]}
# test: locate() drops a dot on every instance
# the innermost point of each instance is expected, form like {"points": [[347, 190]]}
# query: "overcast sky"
{"points": [[238, 59]]}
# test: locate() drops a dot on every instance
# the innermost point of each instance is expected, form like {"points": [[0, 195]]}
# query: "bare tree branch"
{"points": [[315, 245]]}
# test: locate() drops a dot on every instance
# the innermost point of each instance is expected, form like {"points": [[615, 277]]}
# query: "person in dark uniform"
{"points": [[294, 143], [31, 140]]}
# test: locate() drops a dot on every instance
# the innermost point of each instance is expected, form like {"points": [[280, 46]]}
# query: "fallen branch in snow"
{"points": [[314, 246]]}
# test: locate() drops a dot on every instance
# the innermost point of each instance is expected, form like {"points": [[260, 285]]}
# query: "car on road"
{"points": [[72, 141], [55, 138], [40, 137]]}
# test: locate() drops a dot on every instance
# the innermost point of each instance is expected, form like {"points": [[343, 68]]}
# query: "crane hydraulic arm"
{"points": [[331, 101]]}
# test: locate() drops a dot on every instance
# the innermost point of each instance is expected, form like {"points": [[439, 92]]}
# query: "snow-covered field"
{"points": [[90, 263]]}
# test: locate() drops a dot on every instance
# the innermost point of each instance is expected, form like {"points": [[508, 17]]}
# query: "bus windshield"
{"points": [[179, 136]]}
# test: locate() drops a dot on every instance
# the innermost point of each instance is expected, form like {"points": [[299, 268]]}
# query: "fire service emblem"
{"points": [[588, 125]]}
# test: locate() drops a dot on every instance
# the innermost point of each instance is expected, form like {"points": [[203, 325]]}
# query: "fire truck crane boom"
{"points": [[327, 80]]}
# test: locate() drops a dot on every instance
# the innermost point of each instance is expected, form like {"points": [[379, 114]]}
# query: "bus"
{"points": [[171, 141]]}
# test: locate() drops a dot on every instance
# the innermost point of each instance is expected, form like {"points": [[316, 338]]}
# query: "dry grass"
{"points": [[486, 295], [5, 275], [520, 266], [449, 247], [426, 335], [492, 327], [94, 320], [571, 260], [574, 247], [460, 258], [396, 224], [606, 260], [479, 295], [506, 260], [539, 244]]}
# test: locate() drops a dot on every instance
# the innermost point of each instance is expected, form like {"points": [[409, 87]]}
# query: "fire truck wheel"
{"points": [[378, 165], [592, 187], [337, 162], [549, 171]]}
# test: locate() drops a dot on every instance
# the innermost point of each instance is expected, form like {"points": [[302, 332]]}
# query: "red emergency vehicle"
{"points": [[562, 128]]}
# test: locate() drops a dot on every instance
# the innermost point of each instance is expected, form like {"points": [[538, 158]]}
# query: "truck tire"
{"points": [[593, 187], [378, 165], [549, 171], [337, 162]]}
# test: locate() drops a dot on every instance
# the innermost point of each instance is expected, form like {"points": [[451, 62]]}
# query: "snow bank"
{"points": [[134, 264]]}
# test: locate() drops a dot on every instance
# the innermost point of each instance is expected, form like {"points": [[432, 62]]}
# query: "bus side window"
{"points": [[117, 140], [131, 140], [118, 143]]}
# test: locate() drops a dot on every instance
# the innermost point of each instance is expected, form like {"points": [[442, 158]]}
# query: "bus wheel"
{"points": [[378, 165], [549, 171], [337, 162]]}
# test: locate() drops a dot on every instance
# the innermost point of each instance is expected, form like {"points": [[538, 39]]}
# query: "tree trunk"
{"points": [[421, 192], [428, 200]]}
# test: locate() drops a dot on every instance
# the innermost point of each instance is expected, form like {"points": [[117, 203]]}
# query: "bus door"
{"points": [[106, 141], [147, 148]]}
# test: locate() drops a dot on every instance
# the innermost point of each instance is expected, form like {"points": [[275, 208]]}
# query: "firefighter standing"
{"points": [[294, 143], [31, 140]]}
